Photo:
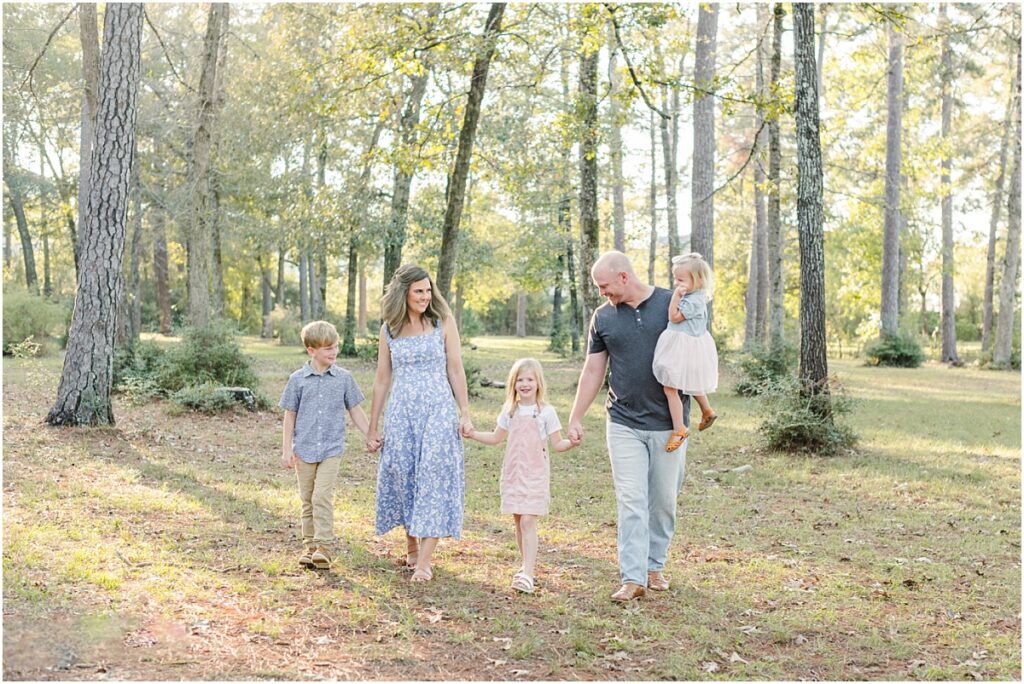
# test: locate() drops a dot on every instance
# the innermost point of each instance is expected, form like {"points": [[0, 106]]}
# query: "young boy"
{"points": [[314, 402]]}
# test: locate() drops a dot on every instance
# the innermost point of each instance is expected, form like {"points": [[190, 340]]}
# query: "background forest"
{"points": [[291, 156]]}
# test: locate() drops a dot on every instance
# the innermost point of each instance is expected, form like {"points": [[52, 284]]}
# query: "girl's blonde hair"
{"points": [[694, 264], [395, 303], [512, 397]]}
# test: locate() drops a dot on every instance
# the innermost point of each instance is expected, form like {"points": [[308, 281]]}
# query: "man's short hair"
{"points": [[319, 334]]}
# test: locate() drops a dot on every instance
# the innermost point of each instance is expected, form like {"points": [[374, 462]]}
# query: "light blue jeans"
{"points": [[647, 481]]}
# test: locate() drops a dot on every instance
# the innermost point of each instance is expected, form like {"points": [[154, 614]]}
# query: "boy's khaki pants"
{"points": [[316, 490]]}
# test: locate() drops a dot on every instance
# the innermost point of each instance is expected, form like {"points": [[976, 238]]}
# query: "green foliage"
{"points": [[25, 349], [763, 368], [900, 350], [285, 325], [135, 370], [205, 398], [205, 355], [368, 347], [30, 316], [473, 375], [798, 420]]}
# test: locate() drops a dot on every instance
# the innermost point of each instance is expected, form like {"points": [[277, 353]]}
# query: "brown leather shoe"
{"points": [[627, 592], [656, 581]]}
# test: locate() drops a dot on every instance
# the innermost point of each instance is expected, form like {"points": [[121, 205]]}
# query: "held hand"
{"points": [[466, 426], [373, 442], [575, 434]]}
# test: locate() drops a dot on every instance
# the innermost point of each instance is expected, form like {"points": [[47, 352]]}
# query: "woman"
{"points": [[420, 479]]}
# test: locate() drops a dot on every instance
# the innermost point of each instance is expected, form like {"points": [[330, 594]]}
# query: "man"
{"points": [[624, 332]]}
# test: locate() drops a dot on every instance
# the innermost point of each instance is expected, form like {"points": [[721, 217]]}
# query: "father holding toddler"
{"points": [[624, 332]]}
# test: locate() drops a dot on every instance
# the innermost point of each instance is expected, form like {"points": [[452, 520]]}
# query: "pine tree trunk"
{"points": [[83, 395], [893, 170], [557, 332], [520, 314], [575, 312], [668, 153], [1011, 262], [702, 205], [776, 239], [303, 285], [948, 293], [201, 170], [13, 181], [279, 289], [615, 146], [652, 203], [135, 259], [810, 218], [993, 226], [89, 36], [362, 297], [267, 299], [217, 261], [757, 286], [161, 270], [314, 286], [589, 224], [460, 172], [348, 346]]}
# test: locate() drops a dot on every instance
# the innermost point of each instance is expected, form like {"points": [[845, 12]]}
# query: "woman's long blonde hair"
{"points": [[395, 303], [512, 397], [694, 264]]}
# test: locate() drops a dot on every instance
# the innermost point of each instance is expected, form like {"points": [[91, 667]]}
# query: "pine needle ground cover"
{"points": [[165, 548]]}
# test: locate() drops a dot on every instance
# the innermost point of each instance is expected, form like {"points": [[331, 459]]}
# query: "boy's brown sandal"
{"points": [[306, 558]]}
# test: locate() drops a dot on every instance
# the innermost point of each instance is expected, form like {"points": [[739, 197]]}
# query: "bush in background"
{"points": [[800, 421], [27, 315], [760, 371], [900, 350]]}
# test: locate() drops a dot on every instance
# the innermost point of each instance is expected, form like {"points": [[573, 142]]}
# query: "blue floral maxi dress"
{"points": [[421, 475]]}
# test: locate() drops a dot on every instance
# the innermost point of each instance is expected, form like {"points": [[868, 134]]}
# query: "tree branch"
{"points": [[629, 64], [49, 39]]}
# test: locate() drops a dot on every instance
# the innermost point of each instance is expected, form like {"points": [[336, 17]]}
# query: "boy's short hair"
{"points": [[319, 334]]}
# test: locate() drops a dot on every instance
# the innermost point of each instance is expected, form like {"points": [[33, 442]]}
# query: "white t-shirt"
{"points": [[547, 419]]}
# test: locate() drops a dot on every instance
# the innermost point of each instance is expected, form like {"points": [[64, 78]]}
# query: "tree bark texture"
{"points": [[757, 284], [652, 199], [702, 204], [948, 266], [348, 345], [810, 218], [776, 240], [669, 145], [615, 146], [893, 164], [267, 300], [303, 285], [161, 270], [520, 314], [134, 326], [83, 395], [589, 223], [362, 297], [457, 183], [1011, 262], [89, 36], [201, 169], [993, 226]]}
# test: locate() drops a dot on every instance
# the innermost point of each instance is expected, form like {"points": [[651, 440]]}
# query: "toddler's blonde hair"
{"points": [[694, 264], [512, 397], [317, 334]]}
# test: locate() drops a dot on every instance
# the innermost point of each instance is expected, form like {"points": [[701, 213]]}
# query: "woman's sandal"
{"points": [[522, 582], [676, 440], [707, 421], [422, 575]]}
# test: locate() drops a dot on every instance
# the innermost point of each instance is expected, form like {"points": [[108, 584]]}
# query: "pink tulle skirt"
{"points": [[686, 362]]}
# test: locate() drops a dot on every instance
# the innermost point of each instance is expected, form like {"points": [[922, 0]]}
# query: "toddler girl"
{"points": [[686, 357], [525, 473]]}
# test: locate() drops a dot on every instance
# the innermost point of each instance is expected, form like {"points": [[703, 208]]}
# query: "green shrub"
{"points": [[899, 350], [285, 326], [205, 355], [473, 375], [30, 316], [368, 347], [800, 421], [760, 370], [205, 398]]}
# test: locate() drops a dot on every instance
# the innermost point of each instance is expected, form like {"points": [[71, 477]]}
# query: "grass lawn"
{"points": [[164, 548]]}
